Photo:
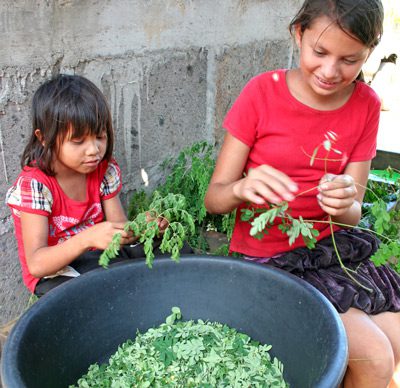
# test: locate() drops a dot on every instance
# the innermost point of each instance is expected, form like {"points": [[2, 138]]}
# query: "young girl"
{"points": [[307, 136], [65, 201]]}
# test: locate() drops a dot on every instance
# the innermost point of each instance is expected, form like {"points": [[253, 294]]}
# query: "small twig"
{"points": [[306, 191], [351, 226], [315, 158], [345, 269], [367, 188]]}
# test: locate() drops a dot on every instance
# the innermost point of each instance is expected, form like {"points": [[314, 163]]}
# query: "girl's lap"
{"points": [[89, 261], [320, 267]]}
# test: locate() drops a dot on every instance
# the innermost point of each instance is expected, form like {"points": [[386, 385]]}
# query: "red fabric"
{"points": [[35, 192], [283, 133]]}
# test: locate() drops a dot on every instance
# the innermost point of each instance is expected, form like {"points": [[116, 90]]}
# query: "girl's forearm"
{"points": [[220, 198], [48, 260], [351, 217]]}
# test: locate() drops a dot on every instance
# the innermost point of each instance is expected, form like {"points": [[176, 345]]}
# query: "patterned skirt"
{"points": [[380, 290]]}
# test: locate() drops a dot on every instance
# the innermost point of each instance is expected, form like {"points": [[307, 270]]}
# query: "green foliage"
{"points": [[189, 175], [188, 354], [382, 184], [381, 215], [138, 203], [111, 251], [261, 219], [181, 227]]}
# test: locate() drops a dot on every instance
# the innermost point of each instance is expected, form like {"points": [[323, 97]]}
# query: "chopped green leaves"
{"points": [[188, 354]]}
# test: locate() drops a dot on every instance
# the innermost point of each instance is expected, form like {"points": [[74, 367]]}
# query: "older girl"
{"points": [[307, 136]]}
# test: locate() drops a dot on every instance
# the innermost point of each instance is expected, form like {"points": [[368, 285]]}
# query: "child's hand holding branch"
{"points": [[337, 193], [265, 184], [100, 235]]}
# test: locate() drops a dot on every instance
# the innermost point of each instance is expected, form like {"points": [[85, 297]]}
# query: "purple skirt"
{"points": [[320, 267]]}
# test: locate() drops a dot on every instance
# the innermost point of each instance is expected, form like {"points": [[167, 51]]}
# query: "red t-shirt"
{"points": [[35, 192], [284, 133]]}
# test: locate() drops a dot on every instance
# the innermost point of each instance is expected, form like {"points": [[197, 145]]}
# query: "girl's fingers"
{"points": [[162, 223], [251, 195], [348, 192], [334, 182], [336, 203], [258, 193], [337, 193], [277, 179], [264, 183], [119, 225]]}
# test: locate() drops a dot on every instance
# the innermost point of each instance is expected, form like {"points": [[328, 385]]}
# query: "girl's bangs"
{"points": [[84, 122]]}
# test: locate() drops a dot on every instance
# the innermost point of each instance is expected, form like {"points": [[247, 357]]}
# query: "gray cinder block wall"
{"points": [[170, 69]]}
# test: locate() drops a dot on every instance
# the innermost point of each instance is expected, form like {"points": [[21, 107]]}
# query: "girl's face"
{"points": [[81, 155], [330, 59]]}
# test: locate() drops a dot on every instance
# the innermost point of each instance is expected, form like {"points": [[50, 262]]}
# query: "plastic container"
{"points": [[83, 321]]}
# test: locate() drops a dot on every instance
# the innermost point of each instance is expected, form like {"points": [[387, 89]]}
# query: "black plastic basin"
{"points": [[83, 321]]}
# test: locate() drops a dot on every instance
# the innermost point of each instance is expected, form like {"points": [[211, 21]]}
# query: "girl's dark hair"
{"points": [[62, 104], [362, 19]]}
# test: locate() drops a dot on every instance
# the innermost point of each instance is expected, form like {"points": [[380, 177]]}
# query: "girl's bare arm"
{"points": [[113, 210], [43, 260]]}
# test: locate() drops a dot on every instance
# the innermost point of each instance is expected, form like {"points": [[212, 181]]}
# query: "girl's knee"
{"points": [[376, 364]]}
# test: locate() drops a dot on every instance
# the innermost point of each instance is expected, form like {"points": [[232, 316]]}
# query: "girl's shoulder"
{"points": [[365, 91], [110, 178], [35, 174], [108, 168], [269, 78], [263, 85], [33, 189]]}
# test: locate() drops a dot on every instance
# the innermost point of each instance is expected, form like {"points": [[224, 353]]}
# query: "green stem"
{"points": [[367, 188], [340, 224], [351, 226], [345, 269]]}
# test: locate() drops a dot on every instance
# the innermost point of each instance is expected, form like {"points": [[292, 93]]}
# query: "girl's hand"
{"points": [[337, 193], [265, 184], [101, 234], [162, 222]]}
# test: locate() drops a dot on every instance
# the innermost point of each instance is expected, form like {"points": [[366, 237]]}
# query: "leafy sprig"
{"points": [[189, 174], [261, 219], [171, 207]]}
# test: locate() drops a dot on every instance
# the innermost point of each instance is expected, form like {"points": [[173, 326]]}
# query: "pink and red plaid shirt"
{"points": [[35, 192]]}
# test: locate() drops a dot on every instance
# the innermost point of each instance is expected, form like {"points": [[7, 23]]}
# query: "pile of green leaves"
{"points": [[262, 218], [188, 354], [189, 175], [180, 228]]}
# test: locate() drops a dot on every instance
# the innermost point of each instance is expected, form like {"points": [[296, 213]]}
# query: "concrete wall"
{"points": [[170, 69]]}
